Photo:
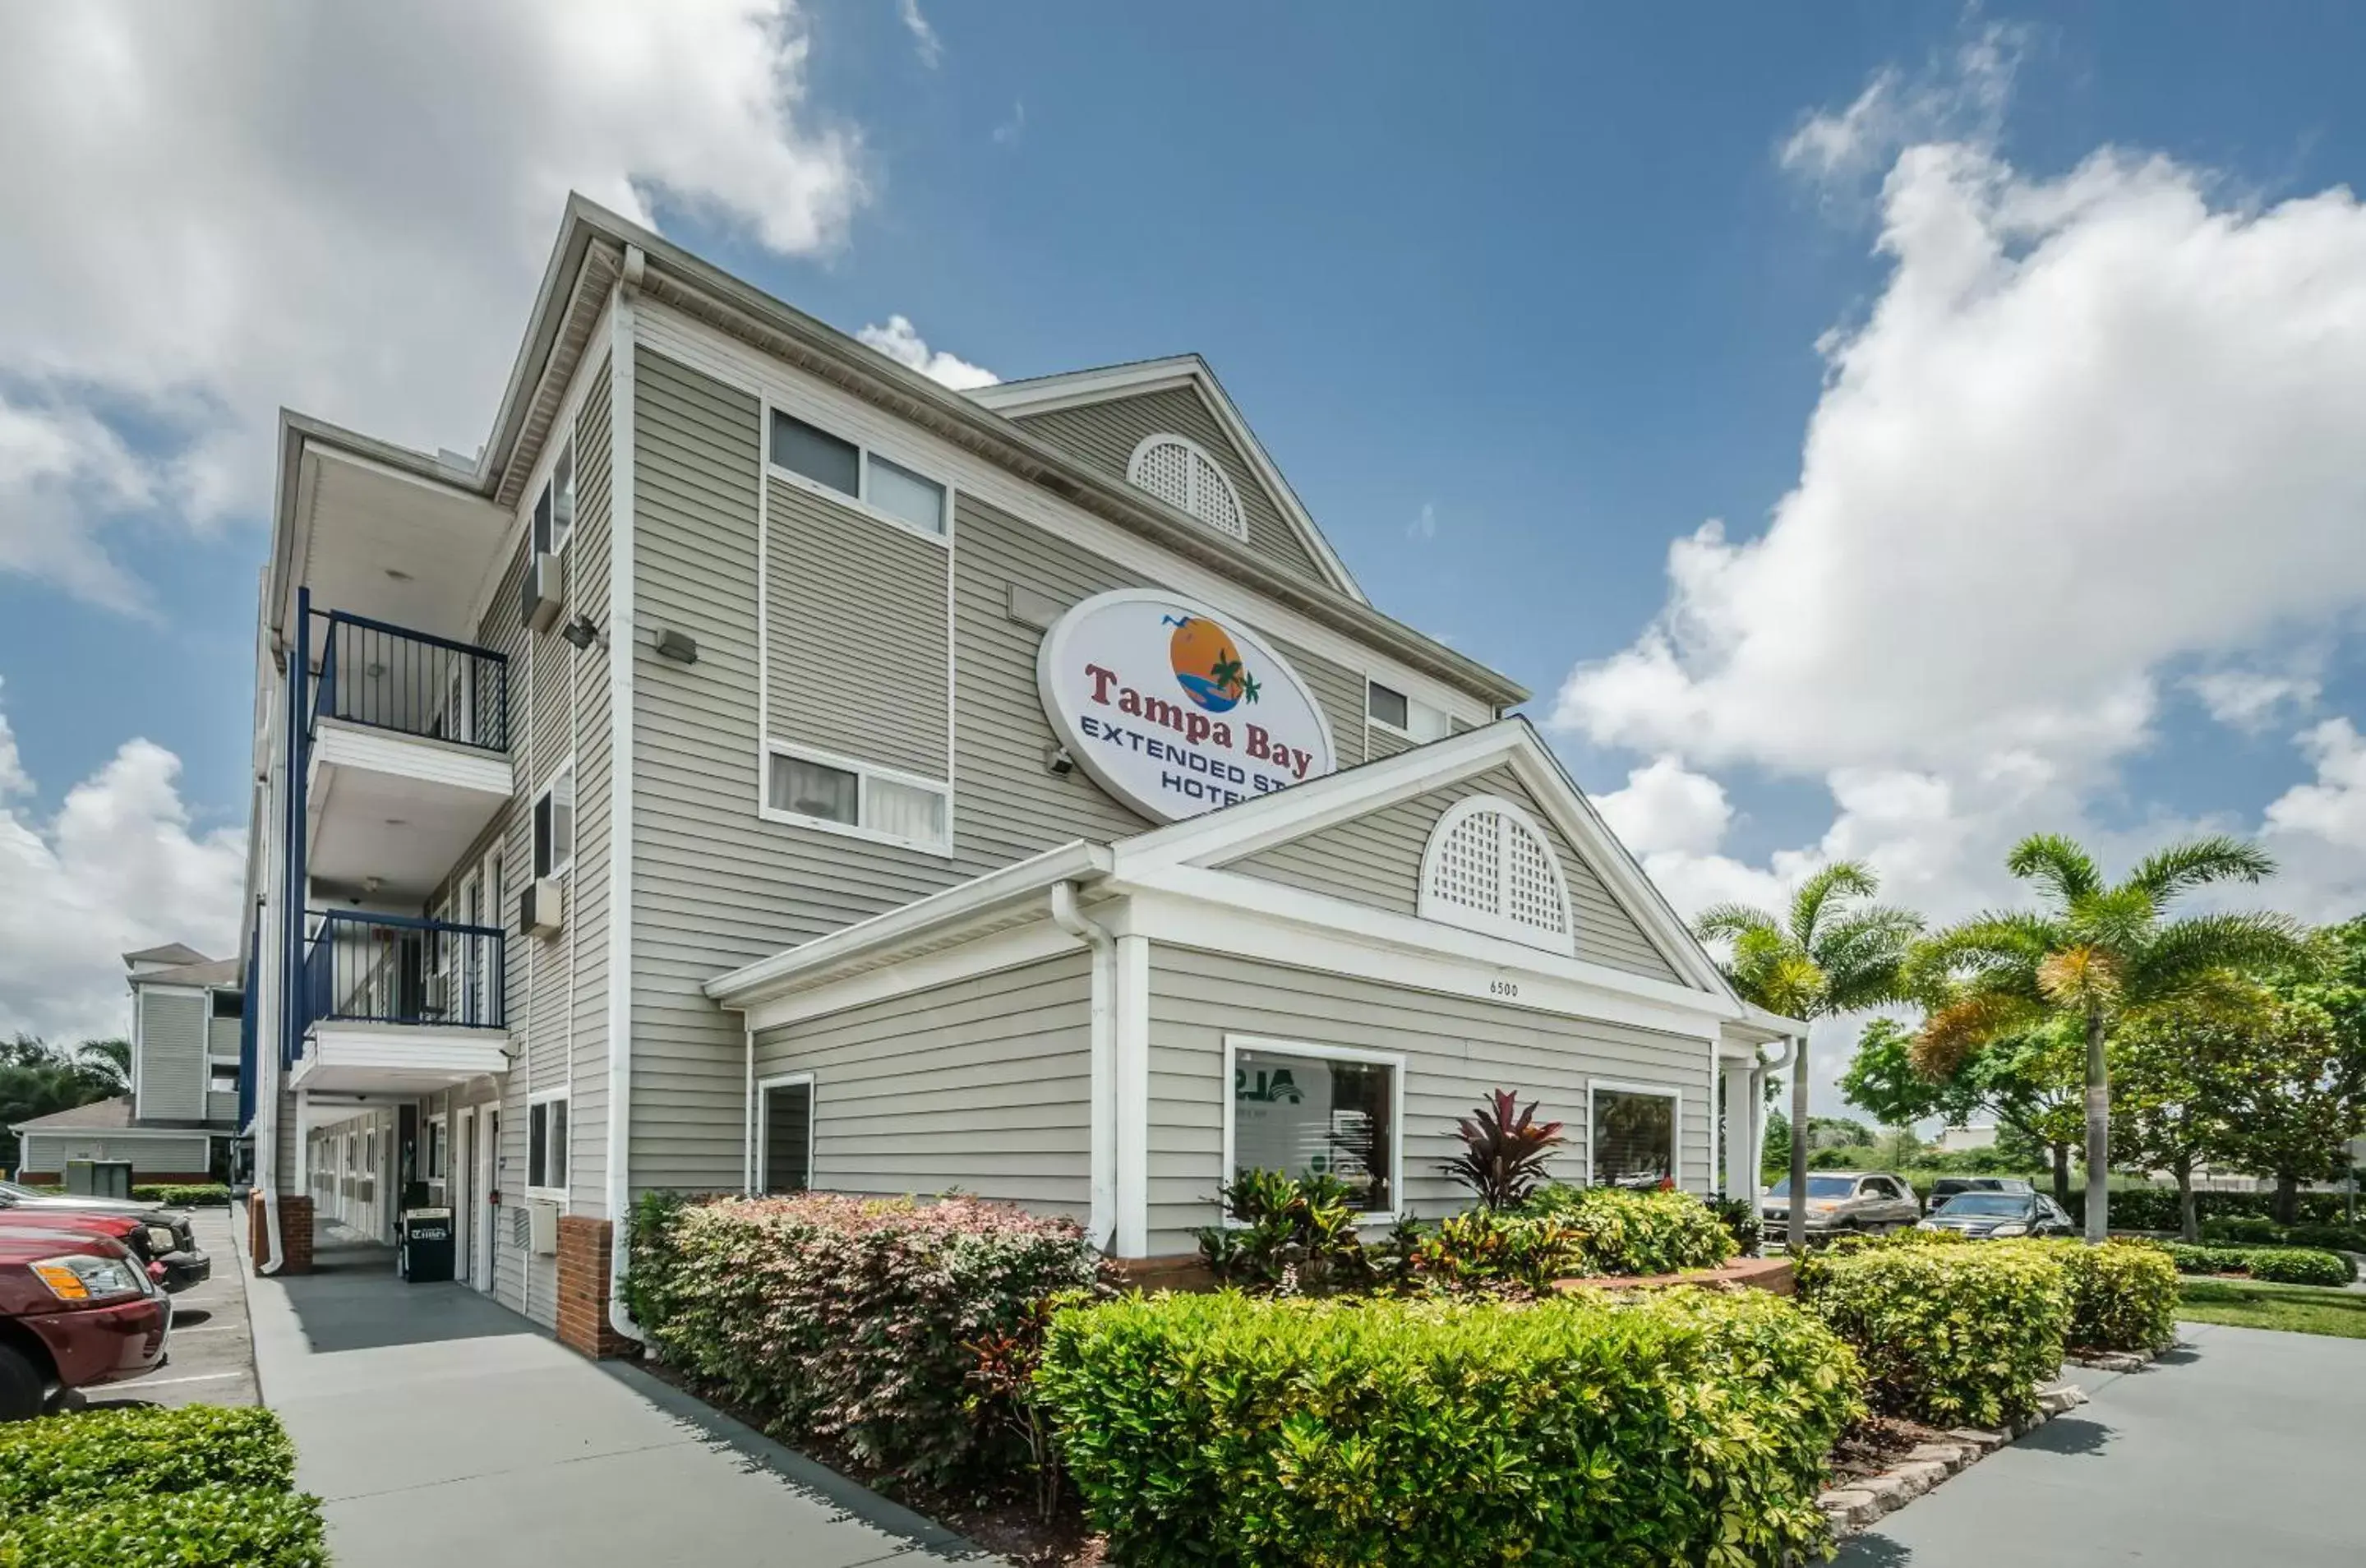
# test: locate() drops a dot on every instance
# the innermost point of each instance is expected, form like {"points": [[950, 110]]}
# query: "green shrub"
{"points": [[184, 1194], [1637, 1233], [1684, 1427], [2330, 1238], [1487, 1249], [2281, 1264], [2243, 1230], [1949, 1334], [2123, 1295], [94, 1452], [208, 1526], [2155, 1208], [855, 1318], [2300, 1266], [1291, 1235], [1740, 1219]]}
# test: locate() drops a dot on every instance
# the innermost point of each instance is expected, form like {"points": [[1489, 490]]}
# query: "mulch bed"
{"points": [[1875, 1444]]}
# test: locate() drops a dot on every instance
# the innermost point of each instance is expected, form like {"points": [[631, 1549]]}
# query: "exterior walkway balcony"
{"points": [[408, 757], [400, 1006]]}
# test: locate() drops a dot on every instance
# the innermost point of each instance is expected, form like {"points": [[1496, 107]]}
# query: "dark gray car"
{"points": [[2000, 1215]]}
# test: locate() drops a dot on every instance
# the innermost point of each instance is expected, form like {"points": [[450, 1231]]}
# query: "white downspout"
{"points": [[1103, 1180], [624, 645], [1781, 1059]]}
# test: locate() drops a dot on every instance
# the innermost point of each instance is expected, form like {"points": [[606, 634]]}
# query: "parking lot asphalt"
{"points": [[2239, 1448], [212, 1353]]}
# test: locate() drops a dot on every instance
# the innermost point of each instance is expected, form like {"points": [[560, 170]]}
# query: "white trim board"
{"points": [[1676, 1127]]}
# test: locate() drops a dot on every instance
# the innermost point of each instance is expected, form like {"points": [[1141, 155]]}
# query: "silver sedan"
{"points": [[1843, 1200]]}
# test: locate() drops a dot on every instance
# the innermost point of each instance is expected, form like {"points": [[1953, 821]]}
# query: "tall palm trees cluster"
{"points": [[2093, 951]]}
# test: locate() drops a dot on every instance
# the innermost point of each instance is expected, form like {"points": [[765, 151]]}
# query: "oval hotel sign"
{"points": [[1174, 711]]}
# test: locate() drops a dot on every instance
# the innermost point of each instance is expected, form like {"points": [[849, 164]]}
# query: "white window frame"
{"points": [[215, 1065], [1496, 922], [439, 1141], [1676, 1126], [566, 770], [1441, 723], [1191, 510], [549, 487], [813, 1109], [864, 773], [549, 1194], [864, 451], [1393, 1060]]}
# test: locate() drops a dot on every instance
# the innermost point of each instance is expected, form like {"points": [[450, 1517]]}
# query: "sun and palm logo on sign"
{"points": [[1208, 665]]}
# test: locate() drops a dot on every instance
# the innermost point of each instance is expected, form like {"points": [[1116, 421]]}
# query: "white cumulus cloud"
{"points": [[931, 49], [2332, 806], [115, 868], [218, 208], [901, 342], [2250, 700]]}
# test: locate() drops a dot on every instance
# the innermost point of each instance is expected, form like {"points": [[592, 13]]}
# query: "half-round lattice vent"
{"points": [[1183, 476], [1490, 868]]}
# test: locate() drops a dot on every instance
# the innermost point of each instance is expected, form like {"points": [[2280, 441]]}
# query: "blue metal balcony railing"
{"points": [[410, 682], [363, 968]]}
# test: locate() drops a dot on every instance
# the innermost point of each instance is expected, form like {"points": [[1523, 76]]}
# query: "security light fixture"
{"points": [[581, 632], [1057, 762], [679, 647]]}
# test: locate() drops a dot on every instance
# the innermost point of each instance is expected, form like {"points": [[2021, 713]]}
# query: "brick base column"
{"points": [[583, 1289], [295, 1233]]}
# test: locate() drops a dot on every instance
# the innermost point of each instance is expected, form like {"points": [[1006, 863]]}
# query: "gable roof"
{"points": [[172, 952], [99, 1115], [1264, 821], [1077, 388], [219, 973]]}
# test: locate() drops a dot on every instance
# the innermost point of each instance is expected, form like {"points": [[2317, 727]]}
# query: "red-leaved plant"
{"points": [[1503, 1150]]}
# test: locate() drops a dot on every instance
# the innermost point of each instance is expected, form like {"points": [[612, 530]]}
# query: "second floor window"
{"points": [[554, 508], [875, 803], [835, 463], [554, 825]]}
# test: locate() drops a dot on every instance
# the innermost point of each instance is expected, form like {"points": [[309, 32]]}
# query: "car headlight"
{"points": [[81, 1278], [2010, 1230], [161, 1240]]}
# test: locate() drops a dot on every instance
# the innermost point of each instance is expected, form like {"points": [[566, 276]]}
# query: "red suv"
{"points": [[75, 1310]]}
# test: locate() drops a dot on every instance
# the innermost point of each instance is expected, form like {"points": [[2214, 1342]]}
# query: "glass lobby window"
{"points": [[1634, 1138], [1307, 1115]]}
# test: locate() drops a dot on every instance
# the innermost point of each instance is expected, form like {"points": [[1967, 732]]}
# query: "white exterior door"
{"points": [[463, 1190], [488, 1147]]}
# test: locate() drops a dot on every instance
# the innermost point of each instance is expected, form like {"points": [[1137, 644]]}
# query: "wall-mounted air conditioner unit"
{"points": [[545, 1227], [542, 593], [541, 906]]}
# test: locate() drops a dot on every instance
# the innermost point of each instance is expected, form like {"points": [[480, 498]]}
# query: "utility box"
{"points": [[427, 1246], [99, 1178]]}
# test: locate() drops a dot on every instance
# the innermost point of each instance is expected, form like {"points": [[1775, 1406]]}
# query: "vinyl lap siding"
{"points": [[46, 1154], [985, 1085], [173, 1055], [855, 632], [585, 940], [1106, 433], [1457, 1049], [1376, 861], [714, 886]]}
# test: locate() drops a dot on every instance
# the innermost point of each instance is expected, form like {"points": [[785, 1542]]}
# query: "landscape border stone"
{"points": [[1863, 1500]]}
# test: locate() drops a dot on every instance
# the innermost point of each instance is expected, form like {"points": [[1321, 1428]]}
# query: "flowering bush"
{"points": [[854, 1318], [1637, 1233], [1686, 1427]]}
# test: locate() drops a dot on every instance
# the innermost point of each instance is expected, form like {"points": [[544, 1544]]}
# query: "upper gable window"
{"points": [[1490, 868], [835, 463], [1181, 474]]}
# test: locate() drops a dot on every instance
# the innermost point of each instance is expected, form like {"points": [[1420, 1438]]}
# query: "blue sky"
{"points": [[1515, 307]]}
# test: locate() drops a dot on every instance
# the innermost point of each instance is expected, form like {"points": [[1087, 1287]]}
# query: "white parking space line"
{"points": [[203, 1377]]}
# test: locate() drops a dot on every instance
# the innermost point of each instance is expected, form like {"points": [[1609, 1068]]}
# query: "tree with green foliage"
{"points": [[36, 1079], [2300, 1094], [2095, 951], [2026, 1082], [2176, 1075], [1832, 951]]}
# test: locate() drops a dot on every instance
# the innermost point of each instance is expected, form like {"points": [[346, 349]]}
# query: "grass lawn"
{"points": [[2295, 1309]]}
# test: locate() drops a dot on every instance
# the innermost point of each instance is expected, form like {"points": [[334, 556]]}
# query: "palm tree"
{"points": [[107, 1062], [2097, 952], [1834, 953]]}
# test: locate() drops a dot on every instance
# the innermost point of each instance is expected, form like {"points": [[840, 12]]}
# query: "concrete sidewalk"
{"points": [[438, 1427], [2240, 1450]]}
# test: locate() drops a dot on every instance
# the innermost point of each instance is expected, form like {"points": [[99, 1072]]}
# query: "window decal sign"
{"points": [[1174, 709]]}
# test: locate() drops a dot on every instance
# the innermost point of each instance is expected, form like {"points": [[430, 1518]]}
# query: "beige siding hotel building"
{"points": [[764, 768]]}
